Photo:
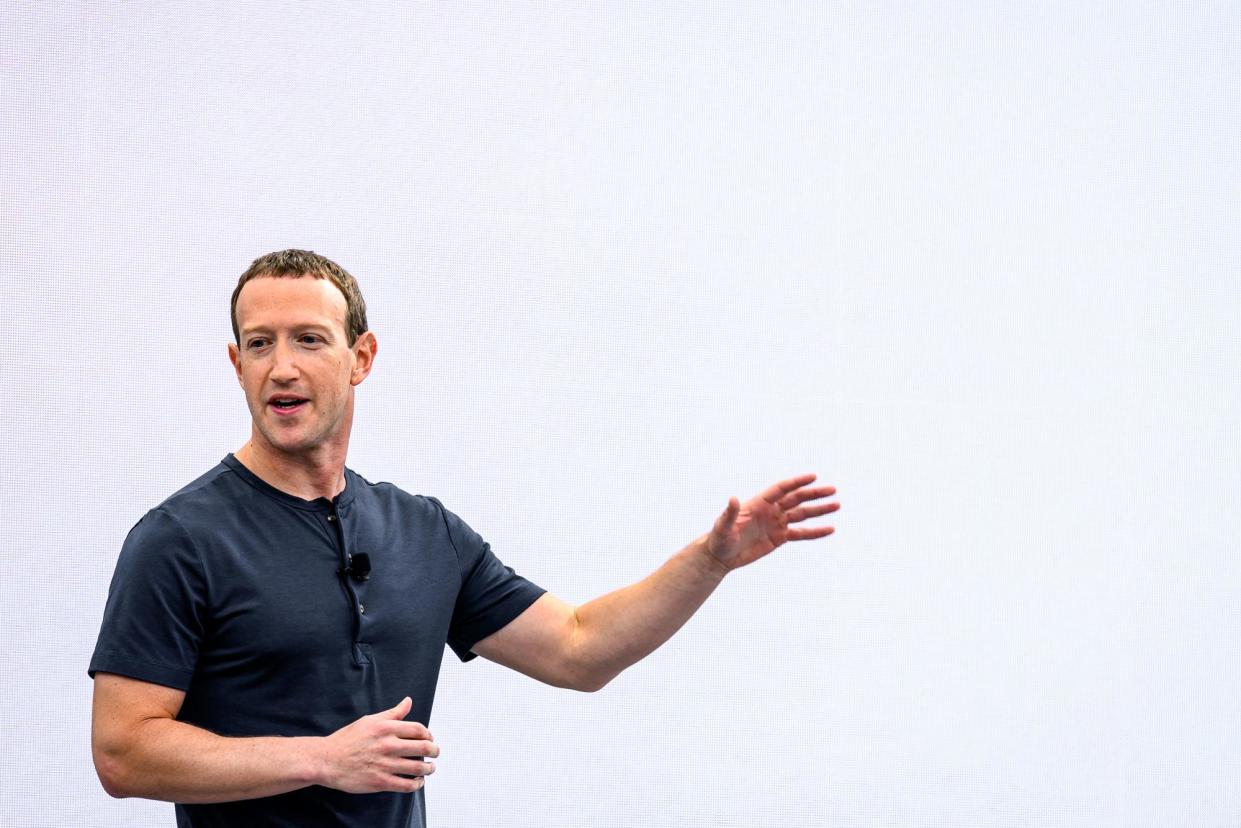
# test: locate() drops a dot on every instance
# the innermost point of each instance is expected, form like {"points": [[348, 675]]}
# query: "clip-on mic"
{"points": [[359, 567]]}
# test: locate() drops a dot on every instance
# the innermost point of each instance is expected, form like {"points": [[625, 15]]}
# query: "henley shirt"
{"points": [[233, 592]]}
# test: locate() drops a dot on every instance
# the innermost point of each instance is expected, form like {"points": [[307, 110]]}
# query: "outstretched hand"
{"points": [[747, 531]]}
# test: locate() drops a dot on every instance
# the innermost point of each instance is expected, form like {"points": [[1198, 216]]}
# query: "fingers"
{"points": [[407, 775], [810, 534], [412, 747], [409, 730], [794, 495], [776, 491], [402, 762], [411, 767], [797, 515], [401, 784], [802, 495]]}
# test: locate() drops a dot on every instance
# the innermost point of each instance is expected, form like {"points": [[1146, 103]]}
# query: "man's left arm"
{"points": [[585, 647]]}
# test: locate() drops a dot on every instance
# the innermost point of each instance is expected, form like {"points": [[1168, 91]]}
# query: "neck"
{"points": [[320, 473]]}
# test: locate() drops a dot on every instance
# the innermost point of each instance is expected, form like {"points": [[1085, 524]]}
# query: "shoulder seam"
{"points": [[196, 485], [448, 530], [198, 556]]}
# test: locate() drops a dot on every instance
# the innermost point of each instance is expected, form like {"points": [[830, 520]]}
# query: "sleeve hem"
{"points": [[497, 619], [175, 677]]}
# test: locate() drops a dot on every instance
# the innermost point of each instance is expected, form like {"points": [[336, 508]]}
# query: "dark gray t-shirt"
{"points": [[232, 591]]}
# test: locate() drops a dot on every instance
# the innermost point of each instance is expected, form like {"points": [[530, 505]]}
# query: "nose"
{"points": [[284, 363]]}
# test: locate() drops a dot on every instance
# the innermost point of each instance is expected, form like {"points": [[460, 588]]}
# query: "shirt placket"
{"points": [[357, 608]]}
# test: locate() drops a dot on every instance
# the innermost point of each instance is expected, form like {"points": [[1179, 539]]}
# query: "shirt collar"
{"points": [[319, 504]]}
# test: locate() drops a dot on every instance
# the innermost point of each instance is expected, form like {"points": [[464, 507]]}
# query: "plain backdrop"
{"points": [[976, 265]]}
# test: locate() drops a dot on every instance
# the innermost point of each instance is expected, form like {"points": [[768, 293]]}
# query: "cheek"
{"points": [[252, 379], [341, 372]]}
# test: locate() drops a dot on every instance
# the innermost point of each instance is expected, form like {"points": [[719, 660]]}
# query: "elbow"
{"points": [[581, 678], [112, 789], [111, 773], [582, 673], [590, 683], [114, 772]]}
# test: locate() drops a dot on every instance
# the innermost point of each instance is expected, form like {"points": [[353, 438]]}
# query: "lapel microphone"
{"points": [[358, 568]]}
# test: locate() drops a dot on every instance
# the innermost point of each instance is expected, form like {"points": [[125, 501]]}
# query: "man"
{"points": [[274, 630]]}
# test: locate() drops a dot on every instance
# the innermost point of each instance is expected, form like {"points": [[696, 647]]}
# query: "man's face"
{"points": [[295, 363]]}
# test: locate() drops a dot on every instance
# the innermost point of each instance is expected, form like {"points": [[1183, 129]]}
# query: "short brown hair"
{"points": [[294, 263]]}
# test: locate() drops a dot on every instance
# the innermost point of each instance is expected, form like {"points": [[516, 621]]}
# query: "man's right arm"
{"points": [[140, 749]]}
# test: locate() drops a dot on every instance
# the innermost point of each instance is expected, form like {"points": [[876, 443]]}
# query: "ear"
{"points": [[234, 356], [364, 351]]}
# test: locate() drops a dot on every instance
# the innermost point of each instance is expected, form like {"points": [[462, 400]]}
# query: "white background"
{"points": [[975, 266]]}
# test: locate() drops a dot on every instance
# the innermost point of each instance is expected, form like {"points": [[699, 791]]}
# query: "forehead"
{"points": [[281, 301]]}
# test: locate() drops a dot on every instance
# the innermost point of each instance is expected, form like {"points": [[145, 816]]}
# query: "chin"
{"points": [[289, 444]]}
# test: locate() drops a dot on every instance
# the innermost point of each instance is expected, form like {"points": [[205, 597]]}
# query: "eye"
{"points": [[312, 339], [257, 342]]}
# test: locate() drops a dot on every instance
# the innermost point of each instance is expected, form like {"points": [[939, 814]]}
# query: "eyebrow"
{"points": [[303, 326]]}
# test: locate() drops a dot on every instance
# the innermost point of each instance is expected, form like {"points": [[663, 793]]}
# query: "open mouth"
{"points": [[288, 405]]}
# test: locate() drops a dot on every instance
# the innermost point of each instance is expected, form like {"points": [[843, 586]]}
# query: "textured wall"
{"points": [[975, 266]]}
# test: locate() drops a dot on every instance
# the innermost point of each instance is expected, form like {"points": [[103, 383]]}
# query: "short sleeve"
{"points": [[154, 619], [491, 593]]}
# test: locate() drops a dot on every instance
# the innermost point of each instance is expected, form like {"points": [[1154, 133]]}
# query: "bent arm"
{"points": [[140, 749]]}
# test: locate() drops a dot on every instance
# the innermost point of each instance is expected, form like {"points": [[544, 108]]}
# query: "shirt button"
{"points": [[361, 608], [331, 518]]}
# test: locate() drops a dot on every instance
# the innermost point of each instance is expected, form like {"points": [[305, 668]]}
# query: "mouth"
{"points": [[285, 406]]}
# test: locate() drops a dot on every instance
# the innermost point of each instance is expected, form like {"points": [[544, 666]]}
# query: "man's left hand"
{"points": [[747, 531]]}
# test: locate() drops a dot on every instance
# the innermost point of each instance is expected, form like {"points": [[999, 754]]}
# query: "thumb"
{"points": [[730, 514], [401, 710]]}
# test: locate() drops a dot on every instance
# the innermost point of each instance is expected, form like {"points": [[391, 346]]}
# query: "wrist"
{"points": [[311, 766], [710, 565]]}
